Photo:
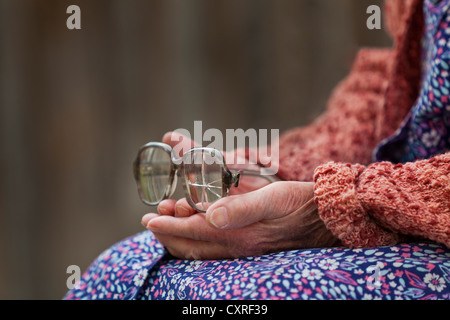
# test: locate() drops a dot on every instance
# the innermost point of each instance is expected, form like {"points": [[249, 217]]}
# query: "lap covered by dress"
{"points": [[139, 268]]}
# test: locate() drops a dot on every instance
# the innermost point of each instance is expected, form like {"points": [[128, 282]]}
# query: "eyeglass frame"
{"points": [[229, 178]]}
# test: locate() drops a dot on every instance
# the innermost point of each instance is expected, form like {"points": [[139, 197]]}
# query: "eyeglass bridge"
{"points": [[232, 178]]}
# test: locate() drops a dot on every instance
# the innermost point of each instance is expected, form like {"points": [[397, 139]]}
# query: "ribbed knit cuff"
{"points": [[337, 199]]}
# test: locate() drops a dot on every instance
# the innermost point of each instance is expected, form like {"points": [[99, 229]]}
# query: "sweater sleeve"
{"points": [[379, 204]]}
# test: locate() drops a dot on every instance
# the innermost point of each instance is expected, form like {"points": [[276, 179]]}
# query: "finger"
{"points": [[253, 157], [183, 209], [167, 207], [248, 184], [270, 202], [194, 227], [184, 248], [180, 143], [236, 159], [146, 218]]}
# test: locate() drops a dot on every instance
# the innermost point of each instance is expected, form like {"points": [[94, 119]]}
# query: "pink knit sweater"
{"points": [[376, 204]]}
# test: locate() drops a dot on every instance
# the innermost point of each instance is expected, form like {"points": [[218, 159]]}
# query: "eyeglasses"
{"points": [[204, 173]]}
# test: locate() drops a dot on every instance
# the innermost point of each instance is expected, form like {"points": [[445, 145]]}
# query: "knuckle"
{"points": [[289, 196]]}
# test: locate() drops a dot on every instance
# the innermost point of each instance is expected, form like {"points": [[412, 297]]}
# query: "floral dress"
{"points": [[425, 131], [140, 268]]}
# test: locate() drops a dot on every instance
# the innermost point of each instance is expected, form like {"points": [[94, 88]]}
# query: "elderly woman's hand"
{"points": [[280, 216]]}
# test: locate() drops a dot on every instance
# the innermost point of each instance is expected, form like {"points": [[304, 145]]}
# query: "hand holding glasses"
{"points": [[206, 177]]}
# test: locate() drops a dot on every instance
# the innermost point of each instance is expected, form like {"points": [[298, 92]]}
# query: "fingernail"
{"points": [[182, 210], [162, 210], [219, 217], [145, 220]]}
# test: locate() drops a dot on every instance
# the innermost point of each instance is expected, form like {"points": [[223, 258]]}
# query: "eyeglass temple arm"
{"points": [[270, 178]]}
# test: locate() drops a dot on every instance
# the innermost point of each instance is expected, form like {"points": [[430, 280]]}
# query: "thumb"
{"points": [[273, 201]]}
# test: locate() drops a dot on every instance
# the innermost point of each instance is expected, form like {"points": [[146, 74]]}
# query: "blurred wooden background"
{"points": [[76, 105]]}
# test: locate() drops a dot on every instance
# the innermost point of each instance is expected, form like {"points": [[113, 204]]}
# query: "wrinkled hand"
{"points": [[280, 216]]}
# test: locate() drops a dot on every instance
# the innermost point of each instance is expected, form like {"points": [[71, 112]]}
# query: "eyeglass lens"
{"points": [[154, 173], [203, 177]]}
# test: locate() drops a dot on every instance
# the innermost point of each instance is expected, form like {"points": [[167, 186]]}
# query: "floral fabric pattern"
{"points": [[426, 130], [120, 271], [406, 272]]}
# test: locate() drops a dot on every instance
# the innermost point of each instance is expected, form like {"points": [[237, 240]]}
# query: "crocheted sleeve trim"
{"points": [[379, 204]]}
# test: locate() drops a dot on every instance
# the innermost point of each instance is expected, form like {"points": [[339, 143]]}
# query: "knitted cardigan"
{"points": [[369, 204]]}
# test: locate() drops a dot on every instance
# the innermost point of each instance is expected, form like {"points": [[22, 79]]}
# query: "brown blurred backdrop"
{"points": [[76, 104]]}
